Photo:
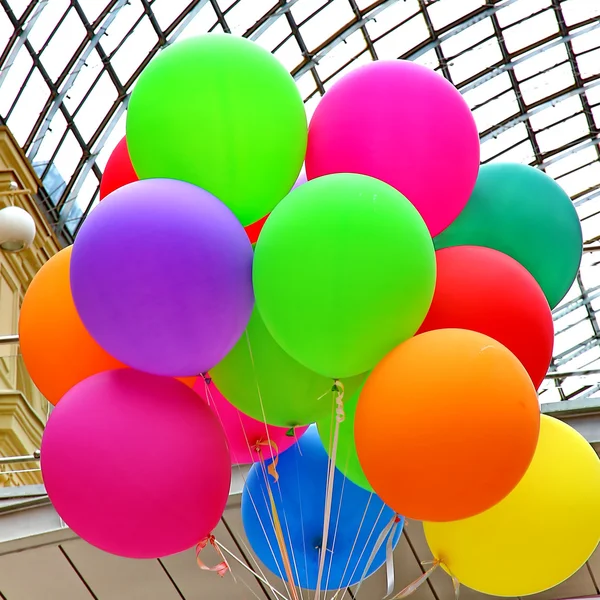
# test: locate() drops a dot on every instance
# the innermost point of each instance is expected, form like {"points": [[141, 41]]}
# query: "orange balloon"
{"points": [[57, 349], [189, 381], [446, 425]]}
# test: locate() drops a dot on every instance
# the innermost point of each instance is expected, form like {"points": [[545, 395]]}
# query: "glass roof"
{"points": [[529, 69]]}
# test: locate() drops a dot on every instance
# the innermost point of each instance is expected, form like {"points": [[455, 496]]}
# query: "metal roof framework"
{"points": [[529, 69]]}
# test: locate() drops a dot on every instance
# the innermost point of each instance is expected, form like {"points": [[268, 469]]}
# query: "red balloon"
{"points": [[253, 230], [119, 170], [489, 292]]}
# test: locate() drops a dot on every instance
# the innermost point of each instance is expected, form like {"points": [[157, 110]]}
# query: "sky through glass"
{"points": [[529, 70]]}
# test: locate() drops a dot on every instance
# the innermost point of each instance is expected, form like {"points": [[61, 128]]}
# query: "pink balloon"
{"points": [[136, 464], [403, 124], [243, 432]]}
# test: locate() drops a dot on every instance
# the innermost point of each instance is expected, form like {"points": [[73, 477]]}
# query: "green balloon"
{"points": [[258, 375], [224, 114], [346, 459], [344, 271], [522, 212]]}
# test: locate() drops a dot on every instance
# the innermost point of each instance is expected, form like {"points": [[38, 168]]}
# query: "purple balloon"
{"points": [[301, 178], [161, 275]]}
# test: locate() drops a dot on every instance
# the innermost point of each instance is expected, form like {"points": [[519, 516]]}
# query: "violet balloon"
{"points": [[246, 435], [161, 275], [136, 464], [404, 124]]}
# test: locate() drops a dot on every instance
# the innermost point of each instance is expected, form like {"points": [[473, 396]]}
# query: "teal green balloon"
{"points": [[261, 380], [522, 212], [223, 113], [346, 459], [344, 271]]}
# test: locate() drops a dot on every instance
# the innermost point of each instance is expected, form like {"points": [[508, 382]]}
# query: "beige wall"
{"points": [[23, 410]]}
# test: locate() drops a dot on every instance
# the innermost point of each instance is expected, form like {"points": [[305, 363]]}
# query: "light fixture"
{"points": [[17, 229]]}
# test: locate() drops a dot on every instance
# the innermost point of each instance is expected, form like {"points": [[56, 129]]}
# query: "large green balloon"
{"points": [[222, 113], [344, 271], [258, 375], [346, 458], [521, 211]]}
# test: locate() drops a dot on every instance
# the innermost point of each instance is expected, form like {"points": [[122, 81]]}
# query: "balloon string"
{"points": [[354, 544], [277, 523], [223, 567], [261, 577], [272, 468], [207, 390], [338, 388], [411, 588], [264, 418], [385, 537]]}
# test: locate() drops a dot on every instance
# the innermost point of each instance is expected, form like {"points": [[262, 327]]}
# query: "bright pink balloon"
{"points": [[404, 124], [136, 464], [243, 432]]}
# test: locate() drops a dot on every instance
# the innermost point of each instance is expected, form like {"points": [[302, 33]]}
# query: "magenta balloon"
{"points": [[135, 464], [161, 275], [243, 432], [404, 124]]}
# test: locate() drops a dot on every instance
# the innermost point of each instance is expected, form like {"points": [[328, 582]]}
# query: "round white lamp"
{"points": [[17, 229]]}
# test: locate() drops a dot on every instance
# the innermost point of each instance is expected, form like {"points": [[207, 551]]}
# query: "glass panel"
{"points": [[63, 45], [402, 39], [51, 139], [531, 30], [29, 107], [469, 37], [495, 111], [517, 11], [244, 14], [126, 18], [15, 77], [93, 8], [203, 21], [444, 12], [323, 25], [278, 31], [547, 83], [342, 54], [93, 110], [46, 22], [68, 156], [394, 14], [575, 11], [166, 11], [134, 50], [475, 61]]}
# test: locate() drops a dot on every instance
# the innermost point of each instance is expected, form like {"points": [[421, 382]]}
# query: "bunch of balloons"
{"points": [[221, 298], [120, 330]]}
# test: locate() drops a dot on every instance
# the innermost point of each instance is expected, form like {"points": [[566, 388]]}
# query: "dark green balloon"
{"points": [[346, 459], [258, 369], [521, 211]]}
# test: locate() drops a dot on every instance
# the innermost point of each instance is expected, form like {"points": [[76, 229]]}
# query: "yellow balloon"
{"points": [[541, 533]]}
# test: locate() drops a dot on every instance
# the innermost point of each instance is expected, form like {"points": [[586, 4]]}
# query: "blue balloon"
{"points": [[300, 501]]}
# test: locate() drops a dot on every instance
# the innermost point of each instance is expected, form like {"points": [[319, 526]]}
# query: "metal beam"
{"points": [[58, 100], [582, 415]]}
